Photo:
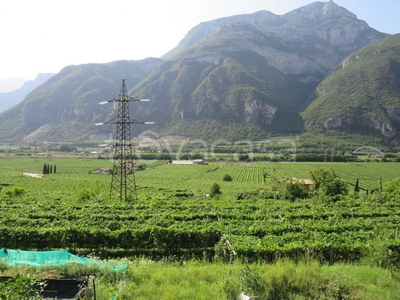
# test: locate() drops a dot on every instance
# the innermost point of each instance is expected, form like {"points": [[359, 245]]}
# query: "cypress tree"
{"points": [[356, 187], [51, 169], [54, 169], [45, 169]]}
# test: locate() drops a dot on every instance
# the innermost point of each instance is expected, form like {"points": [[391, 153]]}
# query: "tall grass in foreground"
{"points": [[282, 280], [146, 279]]}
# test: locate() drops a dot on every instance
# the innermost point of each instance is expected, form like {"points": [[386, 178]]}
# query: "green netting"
{"points": [[54, 258]]}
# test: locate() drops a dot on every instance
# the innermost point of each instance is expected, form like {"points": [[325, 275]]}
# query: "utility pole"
{"points": [[123, 181]]}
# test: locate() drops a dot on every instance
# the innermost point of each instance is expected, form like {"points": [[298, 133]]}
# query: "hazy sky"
{"points": [[43, 36]]}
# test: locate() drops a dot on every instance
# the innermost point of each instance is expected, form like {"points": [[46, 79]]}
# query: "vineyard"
{"points": [[175, 217]]}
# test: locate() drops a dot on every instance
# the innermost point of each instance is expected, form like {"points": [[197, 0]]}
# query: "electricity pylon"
{"points": [[123, 174]]}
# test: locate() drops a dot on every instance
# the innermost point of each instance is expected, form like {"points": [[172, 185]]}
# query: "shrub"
{"points": [[295, 190], [21, 287], [223, 250], [335, 187], [215, 190], [16, 192], [227, 177], [141, 167], [392, 187], [85, 195], [19, 191], [328, 183], [251, 283]]}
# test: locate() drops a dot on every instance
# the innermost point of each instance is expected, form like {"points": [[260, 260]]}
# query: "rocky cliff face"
{"points": [[312, 38], [380, 124], [364, 95], [293, 51]]}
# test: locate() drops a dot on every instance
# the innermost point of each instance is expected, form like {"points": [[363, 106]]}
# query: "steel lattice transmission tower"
{"points": [[123, 176]]}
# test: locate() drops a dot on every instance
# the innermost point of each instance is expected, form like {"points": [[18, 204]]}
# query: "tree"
{"points": [[320, 176], [328, 183], [54, 169], [335, 187], [51, 169], [227, 177], [293, 190], [356, 187], [67, 148], [45, 169], [215, 190]]}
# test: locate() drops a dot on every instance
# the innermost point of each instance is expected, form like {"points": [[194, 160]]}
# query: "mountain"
{"points": [[65, 107], [9, 99], [320, 20], [244, 76], [363, 95], [11, 84], [256, 70]]}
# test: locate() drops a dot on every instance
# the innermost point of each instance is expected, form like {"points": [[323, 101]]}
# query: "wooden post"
{"points": [[94, 288]]}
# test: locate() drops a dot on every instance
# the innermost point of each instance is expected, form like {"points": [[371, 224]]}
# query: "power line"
{"points": [[123, 173]]}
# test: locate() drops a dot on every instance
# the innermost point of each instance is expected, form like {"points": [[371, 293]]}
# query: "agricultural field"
{"points": [[175, 216], [161, 180], [247, 176], [174, 213]]}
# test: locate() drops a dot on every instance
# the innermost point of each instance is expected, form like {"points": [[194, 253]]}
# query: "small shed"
{"points": [[307, 182], [182, 162], [102, 170], [199, 162]]}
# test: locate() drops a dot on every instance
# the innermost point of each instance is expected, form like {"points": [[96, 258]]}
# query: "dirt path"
{"points": [[33, 175]]}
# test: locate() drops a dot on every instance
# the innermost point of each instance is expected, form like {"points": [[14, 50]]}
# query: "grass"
{"points": [[194, 279], [282, 280]]}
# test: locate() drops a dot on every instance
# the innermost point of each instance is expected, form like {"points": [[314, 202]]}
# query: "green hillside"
{"points": [[363, 96], [66, 107]]}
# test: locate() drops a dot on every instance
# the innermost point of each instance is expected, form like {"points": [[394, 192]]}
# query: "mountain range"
{"points": [[9, 99], [10, 84], [245, 76]]}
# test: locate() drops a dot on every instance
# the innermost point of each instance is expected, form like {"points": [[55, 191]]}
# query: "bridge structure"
{"points": [[368, 150]]}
